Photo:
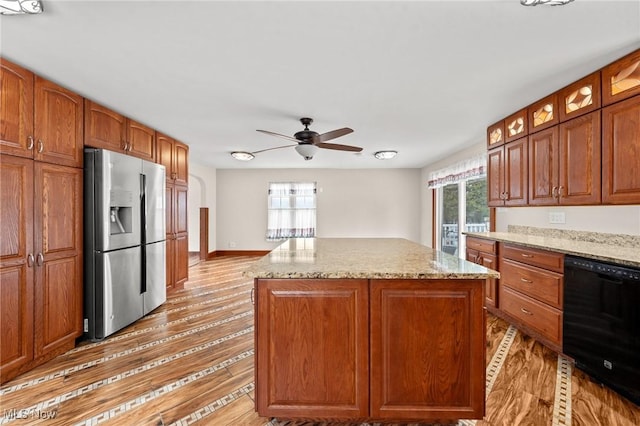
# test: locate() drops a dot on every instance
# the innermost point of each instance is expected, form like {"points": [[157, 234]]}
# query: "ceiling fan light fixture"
{"points": [[547, 2], [307, 150], [385, 155], [242, 155], [20, 7]]}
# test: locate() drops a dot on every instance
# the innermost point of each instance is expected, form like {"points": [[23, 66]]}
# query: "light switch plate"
{"points": [[556, 217]]}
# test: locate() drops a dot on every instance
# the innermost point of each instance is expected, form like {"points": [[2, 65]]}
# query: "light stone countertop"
{"points": [[385, 258], [616, 250]]}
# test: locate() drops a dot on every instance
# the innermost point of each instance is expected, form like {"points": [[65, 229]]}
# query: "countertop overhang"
{"points": [[370, 258], [613, 251]]}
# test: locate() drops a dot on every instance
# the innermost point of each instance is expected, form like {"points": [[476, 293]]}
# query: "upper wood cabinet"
{"points": [[516, 125], [507, 174], [564, 163], [110, 130], [174, 156], [621, 79], [495, 134], [621, 152], [40, 119], [543, 114], [580, 97]]}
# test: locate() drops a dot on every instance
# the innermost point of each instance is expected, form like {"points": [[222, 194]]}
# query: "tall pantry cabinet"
{"points": [[174, 156], [41, 153]]}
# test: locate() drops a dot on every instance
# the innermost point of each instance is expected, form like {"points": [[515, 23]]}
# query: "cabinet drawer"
{"points": [[480, 244], [541, 258], [540, 317], [543, 285]]}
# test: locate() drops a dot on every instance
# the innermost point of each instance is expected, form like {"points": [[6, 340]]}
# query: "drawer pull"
{"points": [[524, 280], [526, 255], [524, 311]]}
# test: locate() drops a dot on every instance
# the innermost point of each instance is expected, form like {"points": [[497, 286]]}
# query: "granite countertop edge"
{"points": [[628, 256]]}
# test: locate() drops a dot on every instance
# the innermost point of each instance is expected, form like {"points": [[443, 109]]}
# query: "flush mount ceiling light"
{"points": [[19, 7], [385, 155], [242, 155], [547, 2]]}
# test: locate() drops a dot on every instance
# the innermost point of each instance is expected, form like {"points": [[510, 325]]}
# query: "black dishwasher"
{"points": [[601, 325]]}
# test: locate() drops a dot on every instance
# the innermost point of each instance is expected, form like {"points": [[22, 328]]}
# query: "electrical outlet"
{"points": [[232, 244], [556, 217]]}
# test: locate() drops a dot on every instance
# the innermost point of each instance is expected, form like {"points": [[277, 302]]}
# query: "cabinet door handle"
{"points": [[30, 143], [554, 192], [506, 195], [560, 191], [40, 146], [39, 259], [526, 255], [524, 311], [524, 280], [253, 302], [479, 262], [30, 260]]}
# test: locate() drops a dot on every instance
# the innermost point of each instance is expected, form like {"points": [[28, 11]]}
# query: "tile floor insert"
{"points": [[191, 362]]}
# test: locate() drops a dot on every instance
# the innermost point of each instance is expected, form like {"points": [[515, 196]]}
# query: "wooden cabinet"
{"points": [[564, 163], [177, 243], [495, 135], [348, 349], [41, 262], [621, 79], [580, 97], [543, 114], [312, 356], [516, 126], [174, 156], [40, 119], [507, 174], [110, 130], [531, 290], [485, 253], [621, 152]]}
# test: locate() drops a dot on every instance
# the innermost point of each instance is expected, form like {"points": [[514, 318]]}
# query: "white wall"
{"points": [[350, 203], [202, 179], [607, 219]]}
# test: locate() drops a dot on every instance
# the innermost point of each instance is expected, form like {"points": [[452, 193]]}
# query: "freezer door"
{"points": [[155, 273], [154, 202], [120, 297], [116, 200]]}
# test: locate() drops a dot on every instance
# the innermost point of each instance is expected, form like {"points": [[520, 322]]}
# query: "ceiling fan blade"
{"points": [[334, 134], [277, 147], [278, 134], [338, 147]]}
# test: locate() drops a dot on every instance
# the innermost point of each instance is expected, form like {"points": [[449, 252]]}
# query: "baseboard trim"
{"points": [[220, 253]]}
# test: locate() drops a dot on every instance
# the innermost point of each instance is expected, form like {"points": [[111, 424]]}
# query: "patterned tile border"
{"points": [[41, 406], [79, 367], [156, 393], [494, 367], [562, 401]]}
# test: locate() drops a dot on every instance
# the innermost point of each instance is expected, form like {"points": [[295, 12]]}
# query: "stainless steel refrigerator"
{"points": [[124, 224]]}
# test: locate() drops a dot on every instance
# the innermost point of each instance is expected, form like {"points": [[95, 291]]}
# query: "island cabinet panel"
{"points": [[312, 340], [427, 349]]}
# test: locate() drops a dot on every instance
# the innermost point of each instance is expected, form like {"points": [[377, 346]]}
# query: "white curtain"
{"points": [[291, 210], [474, 167]]}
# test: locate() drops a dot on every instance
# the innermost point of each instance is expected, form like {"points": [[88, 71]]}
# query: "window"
{"points": [[461, 204], [291, 210]]}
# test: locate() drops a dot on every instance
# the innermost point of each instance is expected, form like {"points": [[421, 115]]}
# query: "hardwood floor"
{"points": [[191, 361]]}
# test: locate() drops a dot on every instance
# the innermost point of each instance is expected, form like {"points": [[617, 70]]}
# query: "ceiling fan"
{"points": [[308, 141]]}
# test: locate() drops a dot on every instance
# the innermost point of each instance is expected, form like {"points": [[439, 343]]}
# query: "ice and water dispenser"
{"points": [[121, 211]]}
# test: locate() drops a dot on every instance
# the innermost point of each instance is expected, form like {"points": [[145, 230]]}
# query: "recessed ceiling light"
{"points": [[242, 155], [549, 2], [385, 155]]}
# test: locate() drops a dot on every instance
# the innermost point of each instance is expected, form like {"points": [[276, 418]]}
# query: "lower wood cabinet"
{"points": [[40, 262], [485, 253], [370, 349]]}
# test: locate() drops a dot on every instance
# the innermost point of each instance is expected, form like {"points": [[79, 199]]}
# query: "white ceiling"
{"points": [[424, 78]]}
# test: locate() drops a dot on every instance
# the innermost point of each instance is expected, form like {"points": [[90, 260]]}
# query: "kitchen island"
{"points": [[372, 329]]}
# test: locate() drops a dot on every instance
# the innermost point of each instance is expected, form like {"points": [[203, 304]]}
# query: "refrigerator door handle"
{"points": [[143, 229]]}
